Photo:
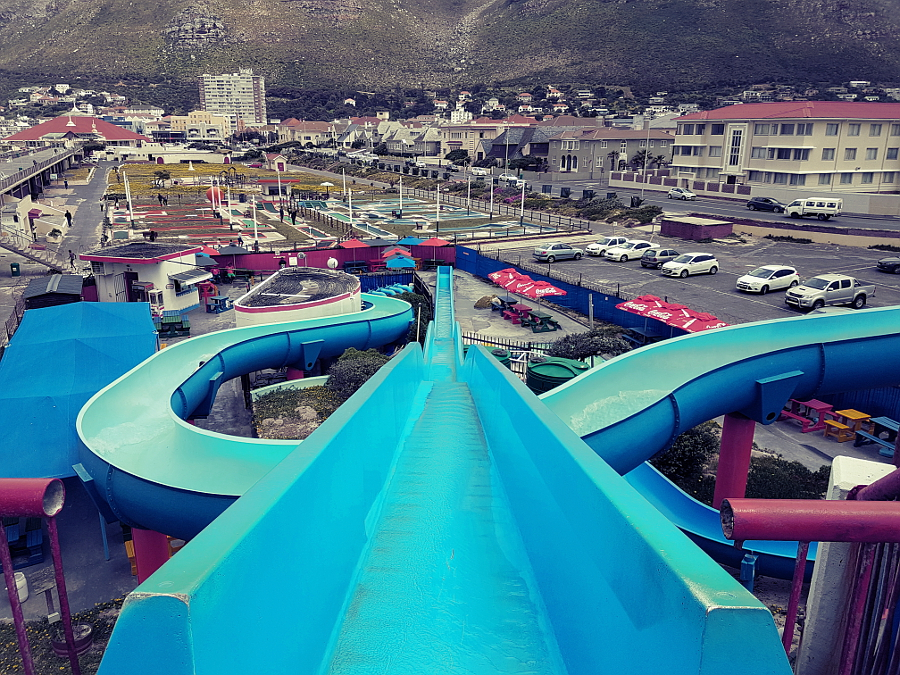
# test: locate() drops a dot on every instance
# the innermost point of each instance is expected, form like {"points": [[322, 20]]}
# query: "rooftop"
{"points": [[294, 286]]}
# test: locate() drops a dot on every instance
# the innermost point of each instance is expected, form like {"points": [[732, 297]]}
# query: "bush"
{"points": [[352, 370], [773, 477], [422, 313], [603, 339], [686, 462]]}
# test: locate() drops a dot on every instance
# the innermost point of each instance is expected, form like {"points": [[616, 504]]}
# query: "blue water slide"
{"points": [[632, 407], [442, 520], [159, 471]]}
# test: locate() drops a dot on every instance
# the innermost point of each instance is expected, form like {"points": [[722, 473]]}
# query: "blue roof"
{"points": [[58, 358]]}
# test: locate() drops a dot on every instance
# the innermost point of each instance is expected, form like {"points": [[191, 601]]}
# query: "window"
{"points": [[602, 144], [787, 129], [687, 129], [805, 129], [784, 153], [853, 129], [97, 268], [801, 154], [771, 153], [846, 178], [874, 130], [887, 177], [824, 179], [827, 154], [715, 151], [867, 176], [831, 129], [798, 179], [642, 144], [895, 130], [700, 129], [892, 153], [849, 154], [871, 153], [651, 144], [570, 145], [717, 129], [761, 129], [734, 151], [712, 174], [757, 153], [756, 176], [780, 178]]}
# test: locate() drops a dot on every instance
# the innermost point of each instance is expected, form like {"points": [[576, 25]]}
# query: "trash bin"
{"points": [[565, 192], [547, 189], [14, 270], [242, 198], [21, 586]]}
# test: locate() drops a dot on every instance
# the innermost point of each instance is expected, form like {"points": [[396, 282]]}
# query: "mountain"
{"points": [[378, 44]]}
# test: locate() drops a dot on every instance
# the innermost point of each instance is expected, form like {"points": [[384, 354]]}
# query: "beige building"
{"points": [[240, 96], [834, 146], [200, 125]]}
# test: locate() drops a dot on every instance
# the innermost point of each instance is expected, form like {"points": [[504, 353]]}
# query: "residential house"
{"points": [[441, 104], [309, 134], [350, 101], [200, 125], [524, 97], [580, 150], [820, 145], [413, 141], [474, 137]]}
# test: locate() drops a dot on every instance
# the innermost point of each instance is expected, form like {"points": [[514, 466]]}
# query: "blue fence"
{"points": [[369, 282], [578, 296]]}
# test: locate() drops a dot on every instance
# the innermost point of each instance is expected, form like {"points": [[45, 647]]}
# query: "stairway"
{"points": [[21, 246]]}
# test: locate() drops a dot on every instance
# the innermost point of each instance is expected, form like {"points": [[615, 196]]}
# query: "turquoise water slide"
{"points": [[442, 520], [628, 409]]}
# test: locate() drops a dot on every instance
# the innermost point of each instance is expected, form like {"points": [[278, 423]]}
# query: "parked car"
{"points": [[765, 204], [510, 177], [657, 257], [633, 248], [479, 171], [822, 208], [885, 264], [829, 289], [556, 251], [768, 278], [681, 193], [691, 263], [599, 247]]}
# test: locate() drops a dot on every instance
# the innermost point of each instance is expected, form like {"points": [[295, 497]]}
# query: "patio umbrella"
{"points": [[540, 289], [378, 242], [504, 275], [434, 242], [327, 187], [666, 312], [396, 249], [640, 305], [696, 322], [206, 249], [410, 241], [400, 262], [201, 260], [354, 243]]}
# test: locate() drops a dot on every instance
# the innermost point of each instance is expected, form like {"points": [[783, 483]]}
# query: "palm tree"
{"points": [[612, 157], [640, 159], [660, 161]]}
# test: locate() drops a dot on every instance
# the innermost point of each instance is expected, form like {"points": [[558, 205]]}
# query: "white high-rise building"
{"points": [[240, 97]]}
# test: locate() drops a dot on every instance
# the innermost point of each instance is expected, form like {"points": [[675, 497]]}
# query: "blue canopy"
{"points": [[410, 241], [58, 358]]}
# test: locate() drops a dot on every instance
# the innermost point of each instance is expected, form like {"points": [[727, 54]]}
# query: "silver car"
{"points": [[554, 251], [691, 263]]}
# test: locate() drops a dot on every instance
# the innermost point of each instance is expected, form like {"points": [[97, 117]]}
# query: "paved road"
{"points": [[717, 294]]}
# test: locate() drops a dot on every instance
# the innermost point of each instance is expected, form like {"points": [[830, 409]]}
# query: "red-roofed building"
{"points": [[68, 128], [798, 146]]}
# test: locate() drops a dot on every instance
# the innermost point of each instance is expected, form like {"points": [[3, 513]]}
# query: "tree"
{"points": [[352, 369], [458, 156], [612, 156], [660, 161], [161, 177], [640, 159]]}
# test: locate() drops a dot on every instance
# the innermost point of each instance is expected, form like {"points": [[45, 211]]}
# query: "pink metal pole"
{"points": [[865, 560], [13, 592], [63, 596], [884, 489], [151, 551], [810, 520], [734, 457], [787, 639]]}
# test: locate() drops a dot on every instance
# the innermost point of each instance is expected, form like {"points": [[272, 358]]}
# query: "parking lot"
{"points": [[716, 293]]}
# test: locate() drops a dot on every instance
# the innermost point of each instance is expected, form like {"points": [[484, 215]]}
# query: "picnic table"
{"points": [[845, 424], [505, 303], [810, 414], [877, 427], [540, 322], [356, 266], [516, 312], [645, 336]]}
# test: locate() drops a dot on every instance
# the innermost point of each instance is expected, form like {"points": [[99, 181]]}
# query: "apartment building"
{"points": [[240, 97], [837, 146]]}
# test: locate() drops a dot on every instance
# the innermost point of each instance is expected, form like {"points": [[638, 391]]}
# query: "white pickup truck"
{"points": [[829, 289]]}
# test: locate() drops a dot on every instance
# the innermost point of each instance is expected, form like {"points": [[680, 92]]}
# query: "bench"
{"points": [[805, 422], [841, 432], [863, 438], [512, 316]]}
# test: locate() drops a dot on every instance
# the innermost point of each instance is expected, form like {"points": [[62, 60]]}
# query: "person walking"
{"points": [[66, 184], [68, 218], [71, 259], [159, 198]]}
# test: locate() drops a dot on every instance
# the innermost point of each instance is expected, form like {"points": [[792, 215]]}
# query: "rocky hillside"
{"points": [[374, 44]]}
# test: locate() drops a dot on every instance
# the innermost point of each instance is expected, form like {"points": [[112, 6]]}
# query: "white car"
{"points": [[768, 278], [681, 193], [510, 177], [599, 247], [479, 171], [633, 248], [691, 263]]}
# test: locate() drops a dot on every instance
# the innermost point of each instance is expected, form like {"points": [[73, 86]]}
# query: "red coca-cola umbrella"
{"points": [[640, 305], [666, 311], [696, 322], [505, 277], [536, 289]]}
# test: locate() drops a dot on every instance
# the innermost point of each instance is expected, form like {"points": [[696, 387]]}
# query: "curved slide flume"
{"points": [[157, 470], [628, 415]]}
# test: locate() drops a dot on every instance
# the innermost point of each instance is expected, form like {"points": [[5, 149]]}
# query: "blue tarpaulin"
{"points": [[58, 358]]}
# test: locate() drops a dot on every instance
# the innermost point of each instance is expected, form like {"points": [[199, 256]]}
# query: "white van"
{"points": [[821, 207], [479, 171]]}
